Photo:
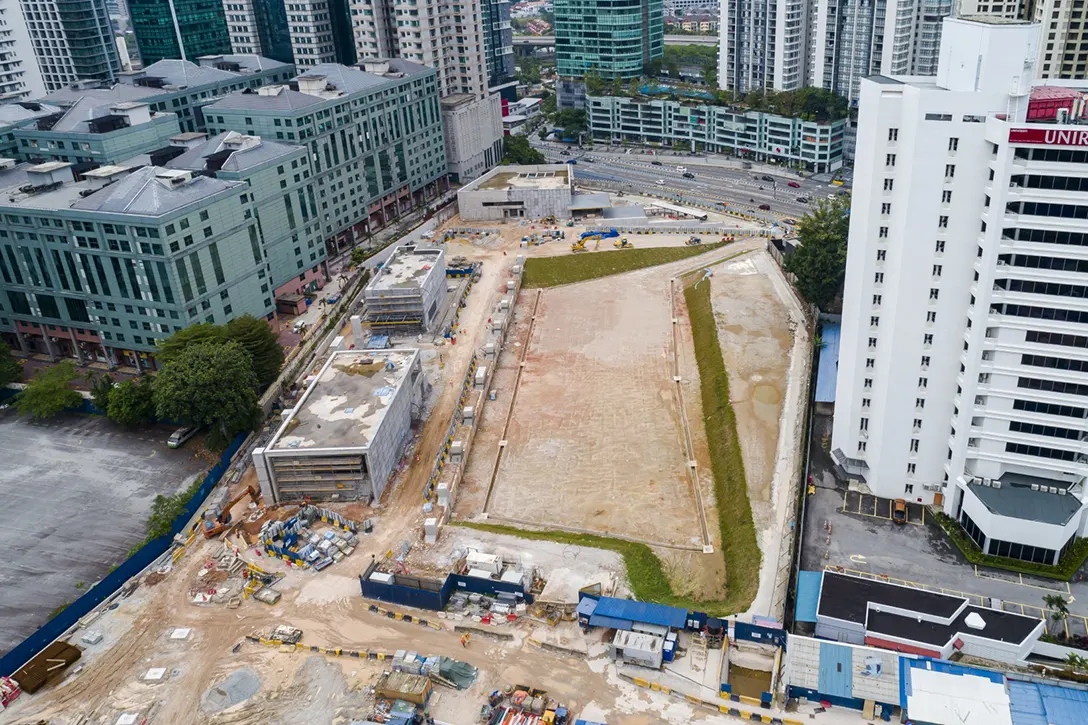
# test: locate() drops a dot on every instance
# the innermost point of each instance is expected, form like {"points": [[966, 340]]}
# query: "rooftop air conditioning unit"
{"points": [[997, 484], [1034, 487], [1053, 489], [1062, 491]]}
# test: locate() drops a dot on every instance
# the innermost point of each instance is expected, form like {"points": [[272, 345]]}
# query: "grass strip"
{"points": [[1064, 570], [740, 548], [568, 268]]}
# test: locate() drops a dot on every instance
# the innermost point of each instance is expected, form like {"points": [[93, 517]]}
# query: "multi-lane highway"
{"points": [[737, 189]]}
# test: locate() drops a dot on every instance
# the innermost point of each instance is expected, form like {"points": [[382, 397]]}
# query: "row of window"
{"points": [[1057, 363], [1059, 155], [1045, 236], [1057, 183], [1042, 288], [1037, 208], [1033, 261], [1052, 386], [1067, 411], [1041, 313], [1051, 431], [1056, 338], [1041, 452]]}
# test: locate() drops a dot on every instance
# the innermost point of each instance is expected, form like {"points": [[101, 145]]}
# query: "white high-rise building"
{"points": [[762, 45], [963, 373], [20, 76], [72, 40], [1063, 51], [449, 38]]}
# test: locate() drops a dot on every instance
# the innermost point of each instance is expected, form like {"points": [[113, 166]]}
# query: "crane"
{"points": [[580, 245]]}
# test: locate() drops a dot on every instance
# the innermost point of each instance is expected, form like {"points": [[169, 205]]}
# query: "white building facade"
{"points": [[762, 45], [963, 376], [20, 76]]}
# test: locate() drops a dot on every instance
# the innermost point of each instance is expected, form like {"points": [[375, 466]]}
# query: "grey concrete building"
{"points": [[346, 434], [518, 192], [375, 139], [408, 289], [104, 268], [16, 115]]}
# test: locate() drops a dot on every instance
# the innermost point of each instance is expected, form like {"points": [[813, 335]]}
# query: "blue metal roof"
{"points": [[597, 620], [828, 369], [947, 668], [836, 670], [808, 595], [1035, 704], [645, 612], [586, 607]]}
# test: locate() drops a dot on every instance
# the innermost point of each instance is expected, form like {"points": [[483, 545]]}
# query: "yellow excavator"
{"points": [[623, 244], [580, 245]]}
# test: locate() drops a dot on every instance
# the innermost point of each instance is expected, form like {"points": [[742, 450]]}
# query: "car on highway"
{"points": [[899, 511], [681, 169], [767, 178], [564, 153], [802, 200], [689, 175], [589, 160], [660, 182], [572, 161], [765, 207], [791, 222], [656, 163], [793, 184]]}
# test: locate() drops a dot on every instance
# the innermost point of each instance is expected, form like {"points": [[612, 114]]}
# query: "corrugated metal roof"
{"points": [[586, 607], [808, 595], [1035, 704], [596, 620], [140, 193], [658, 614], [828, 369], [836, 670]]}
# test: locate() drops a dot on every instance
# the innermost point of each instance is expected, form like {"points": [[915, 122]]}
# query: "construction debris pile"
{"points": [[522, 705], [228, 578], [295, 541]]}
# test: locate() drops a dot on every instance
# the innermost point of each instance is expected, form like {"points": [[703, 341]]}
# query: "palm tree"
{"points": [[1057, 605], [1076, 662]]}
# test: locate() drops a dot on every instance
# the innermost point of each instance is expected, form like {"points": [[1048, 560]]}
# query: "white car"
{"points": [[681, 169], [660, 182], [178, 437]]}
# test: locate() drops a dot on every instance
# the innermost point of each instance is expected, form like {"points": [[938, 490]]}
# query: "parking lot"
{"points": [[76, 494], [870, 544]]}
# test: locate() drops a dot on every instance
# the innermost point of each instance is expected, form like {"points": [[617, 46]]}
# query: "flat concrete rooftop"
{"points": [[406, 268], [346, 404], [508, 180]]}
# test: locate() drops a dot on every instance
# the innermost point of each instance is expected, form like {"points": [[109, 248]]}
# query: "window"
{"points": [[868, 383], [876, 300], [870, 362], [937, 270], [923, 382], [881, 255], [889, 184], [910, 472], [946, 197], [942, 222], [872, 343], [927, 340], [953, 144], [865, 402], [931, 317], [925, 362], [885, 208], [861, 446], [920, 403], [949, 171], [893, 134], [204, 216], [939, 247], [934, 293], [889, 160], [864, 424], [917, 424], [913, 445], [882, 232], [874, 322], [879, 278]]}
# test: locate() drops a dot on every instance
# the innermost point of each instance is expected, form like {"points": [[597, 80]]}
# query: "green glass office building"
{"points": [[185, 29]]}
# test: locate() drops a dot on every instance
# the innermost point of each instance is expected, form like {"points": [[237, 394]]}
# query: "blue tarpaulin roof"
{"points": [[1035, 704], [645, 612], [828, 369], [808, 595]]}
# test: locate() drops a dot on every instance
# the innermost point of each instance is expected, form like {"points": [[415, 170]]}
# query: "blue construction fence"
{"points": [[756, 633], [152, 550], [432, 594]]}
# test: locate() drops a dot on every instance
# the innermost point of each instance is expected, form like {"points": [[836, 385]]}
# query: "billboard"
{"points": [[1050, 136]]}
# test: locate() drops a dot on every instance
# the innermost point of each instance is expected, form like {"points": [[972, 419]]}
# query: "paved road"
{"points": [[713, 184]]}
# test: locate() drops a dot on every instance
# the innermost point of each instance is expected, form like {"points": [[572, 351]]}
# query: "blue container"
{"points": [[668, 654]]}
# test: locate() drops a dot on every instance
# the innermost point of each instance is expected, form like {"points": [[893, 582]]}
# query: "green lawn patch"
{"points": [[582, 266], [1064, 570], [740, 549], [738, 532]]}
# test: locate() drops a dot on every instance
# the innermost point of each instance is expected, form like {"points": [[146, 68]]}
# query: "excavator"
{"points": [[580, 245], [623, 244], [217, 516]]}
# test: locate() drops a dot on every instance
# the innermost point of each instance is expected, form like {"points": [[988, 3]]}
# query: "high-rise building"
{"points": [[260, 27], [611, 39], [762, 45], [1063, 52], [449, 38], [963, 368], [20, 76], [321, 32], [72, 40], [182, 29], [499, 48]]}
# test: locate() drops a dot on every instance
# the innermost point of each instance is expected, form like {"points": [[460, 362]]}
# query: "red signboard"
{"points": [[1050, 136]]}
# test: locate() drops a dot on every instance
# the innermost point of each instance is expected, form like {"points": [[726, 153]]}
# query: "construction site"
{"points": [[335, 580]]}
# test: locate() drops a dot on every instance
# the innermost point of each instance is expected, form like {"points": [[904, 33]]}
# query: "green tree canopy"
{"points": [[516, 150], [528, 71], [48, 393], [260, 342], [572, 121], [131, 402], [209, 384], [820, 259], [10, 369], [100, 392], [172, 346]]}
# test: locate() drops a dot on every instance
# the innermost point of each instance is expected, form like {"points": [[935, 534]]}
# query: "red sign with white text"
{"points": [[1050, 136]]}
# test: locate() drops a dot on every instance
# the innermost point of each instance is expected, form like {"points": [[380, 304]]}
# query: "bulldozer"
{"points": [[217, 516], [692, 241], [623, 244]]}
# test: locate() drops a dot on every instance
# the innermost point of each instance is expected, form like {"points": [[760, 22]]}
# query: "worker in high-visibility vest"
{"points": [[464, 639]]}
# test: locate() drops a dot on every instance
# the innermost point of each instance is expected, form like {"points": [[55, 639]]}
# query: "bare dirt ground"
{"points": [[766, 354]]}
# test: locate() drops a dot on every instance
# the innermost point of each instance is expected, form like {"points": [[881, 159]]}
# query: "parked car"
{"points": [[765, 207], [660, 182], [802, 200], [899, 511], [681, 169], [767, 178], [564, 153], [655, 163], [177, 438], [793, 184], [791, 222], [689, 175], [572, 161]]}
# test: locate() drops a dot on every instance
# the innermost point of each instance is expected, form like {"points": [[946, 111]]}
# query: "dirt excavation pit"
{"points": [[595, 441], [238, 687]]}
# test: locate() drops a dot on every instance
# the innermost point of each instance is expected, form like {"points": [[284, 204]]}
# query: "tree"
{"points": [[652, 69], [548, 106], [10, 369], [516, 150], [528, 71], [209, 384], [131, 402], [572, 121], [1057, 605], [820, 260], [48, 393], [260, 342], [100, 392], [172, 346]]}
